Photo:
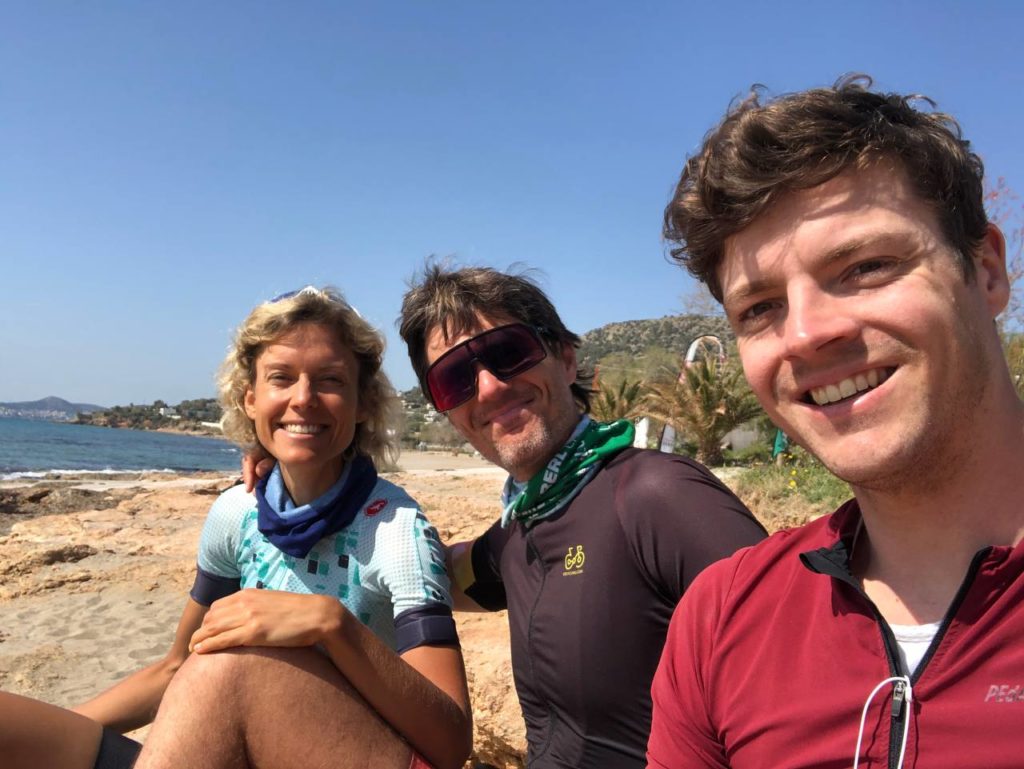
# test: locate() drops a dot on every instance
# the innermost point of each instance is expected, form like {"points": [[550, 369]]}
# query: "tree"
{"points": [[708, 400], [617, 367], [1004, 209], [622, 402], [699, 301], [441, 433], [1013, 348]]}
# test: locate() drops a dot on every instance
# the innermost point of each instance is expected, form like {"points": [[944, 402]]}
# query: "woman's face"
{"points": [[304, 403]]}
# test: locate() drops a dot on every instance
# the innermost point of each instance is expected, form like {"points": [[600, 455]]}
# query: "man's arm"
{"points": [[423, 694], [476, 583], [683, 735], [255, 465]]}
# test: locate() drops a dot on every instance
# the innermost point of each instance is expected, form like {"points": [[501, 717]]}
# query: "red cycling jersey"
{"points": [[772, 654]]}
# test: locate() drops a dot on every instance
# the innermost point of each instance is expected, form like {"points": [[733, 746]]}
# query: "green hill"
{"points": [[672, 332], [643, 349]]}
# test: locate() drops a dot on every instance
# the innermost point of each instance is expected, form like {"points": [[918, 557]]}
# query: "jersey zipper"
{"points": [[528, 536], [900, 712]]}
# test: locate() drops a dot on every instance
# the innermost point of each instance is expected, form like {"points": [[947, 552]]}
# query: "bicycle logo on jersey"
{"points": [[574, 561]]}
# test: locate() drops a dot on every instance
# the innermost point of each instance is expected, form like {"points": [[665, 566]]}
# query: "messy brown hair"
{"points": [[451, 299], [765, 148]]}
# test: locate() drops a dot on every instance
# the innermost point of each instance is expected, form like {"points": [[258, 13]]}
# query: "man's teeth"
{"points": [[303, 429], [847, 387]]}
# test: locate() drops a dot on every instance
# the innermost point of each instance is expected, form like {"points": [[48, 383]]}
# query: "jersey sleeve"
{"points": [[414, 575], [484, 584], [683, 735], [679, 519], [217, 572]]}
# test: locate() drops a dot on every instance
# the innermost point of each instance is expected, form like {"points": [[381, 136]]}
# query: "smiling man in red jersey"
{"points": [[843, 231], [597, 540]]}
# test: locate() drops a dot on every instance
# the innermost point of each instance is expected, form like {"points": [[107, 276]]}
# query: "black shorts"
{"points": [[116, 751]]}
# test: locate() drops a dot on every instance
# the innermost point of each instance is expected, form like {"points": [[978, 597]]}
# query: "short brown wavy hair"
{"points": [[377, 436], [763, 149]]}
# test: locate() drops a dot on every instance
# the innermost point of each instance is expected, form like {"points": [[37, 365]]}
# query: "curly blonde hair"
{"points": [[376, 436]]}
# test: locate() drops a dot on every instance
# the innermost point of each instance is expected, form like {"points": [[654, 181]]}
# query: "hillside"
{"points": [[633, 337], [52, 408]]}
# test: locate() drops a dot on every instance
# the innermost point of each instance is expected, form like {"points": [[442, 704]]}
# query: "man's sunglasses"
{"points": [[505, 351]]}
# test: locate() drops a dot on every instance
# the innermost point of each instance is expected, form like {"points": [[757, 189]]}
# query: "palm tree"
{"points": [[623, 402], [708, 400]]}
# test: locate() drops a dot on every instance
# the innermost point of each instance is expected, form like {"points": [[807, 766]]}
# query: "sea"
{"points": [[30, 448]]}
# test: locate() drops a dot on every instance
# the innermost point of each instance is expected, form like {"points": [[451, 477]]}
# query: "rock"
{"points": [[68, 554]]}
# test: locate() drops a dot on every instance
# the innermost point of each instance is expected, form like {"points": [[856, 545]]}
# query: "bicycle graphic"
{"points": [[574, 560]]}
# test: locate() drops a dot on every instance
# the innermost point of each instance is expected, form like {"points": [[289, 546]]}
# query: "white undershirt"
{"points": [[914, 641]]}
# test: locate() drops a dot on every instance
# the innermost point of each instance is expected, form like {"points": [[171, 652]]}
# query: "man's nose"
{"points": [[487, 384], [815, 320]]}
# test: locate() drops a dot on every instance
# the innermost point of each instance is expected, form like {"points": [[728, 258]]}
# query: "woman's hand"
{"points": [[267, 618]]}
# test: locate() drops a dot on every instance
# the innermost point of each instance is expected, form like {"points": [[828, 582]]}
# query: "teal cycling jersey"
{"points": [[386, 566]]}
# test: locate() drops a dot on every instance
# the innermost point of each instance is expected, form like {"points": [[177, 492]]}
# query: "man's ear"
{"points": [[990, 270], [567, 355]]}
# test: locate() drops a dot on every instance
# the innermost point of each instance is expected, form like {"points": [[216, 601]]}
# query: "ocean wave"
{"points": [[22, 474]]}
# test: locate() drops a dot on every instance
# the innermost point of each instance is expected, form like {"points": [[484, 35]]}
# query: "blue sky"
{"points": [[165, 166]]}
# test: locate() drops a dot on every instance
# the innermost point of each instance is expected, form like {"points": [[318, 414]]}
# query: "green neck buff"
{"points": [[568, 471]]}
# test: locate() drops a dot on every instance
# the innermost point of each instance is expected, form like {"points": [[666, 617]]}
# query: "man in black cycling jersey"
{"points": [[597, 541]]}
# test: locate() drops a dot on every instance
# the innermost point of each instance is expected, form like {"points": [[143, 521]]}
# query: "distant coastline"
{"points": [[200, 416], [193, 417]]}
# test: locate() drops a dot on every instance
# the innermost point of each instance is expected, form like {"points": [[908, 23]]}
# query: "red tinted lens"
{"points": [[509, 350], [452, 378], [506, 352]]}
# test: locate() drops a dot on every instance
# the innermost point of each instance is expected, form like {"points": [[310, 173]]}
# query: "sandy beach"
{"points": [[95, 570]]}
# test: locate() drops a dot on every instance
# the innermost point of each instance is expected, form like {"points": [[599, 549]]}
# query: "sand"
{"points": [[94, 572]]}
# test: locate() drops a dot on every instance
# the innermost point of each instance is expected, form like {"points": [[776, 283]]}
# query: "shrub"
{"points": [[791, 494]]}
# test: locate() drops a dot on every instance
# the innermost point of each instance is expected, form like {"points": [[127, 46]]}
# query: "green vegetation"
{"points": [[618, 367], [623, 402], [789, 494], [757, 453], [423, 426], [187, 415], [709, 400], [1013, 348], [634, 338]]}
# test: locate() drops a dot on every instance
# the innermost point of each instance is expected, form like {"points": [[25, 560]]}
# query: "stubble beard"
{"points": [[940, 446], [526, 454]]}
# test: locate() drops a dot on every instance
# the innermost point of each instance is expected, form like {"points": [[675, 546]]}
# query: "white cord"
{"points": [[906, 719]]}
